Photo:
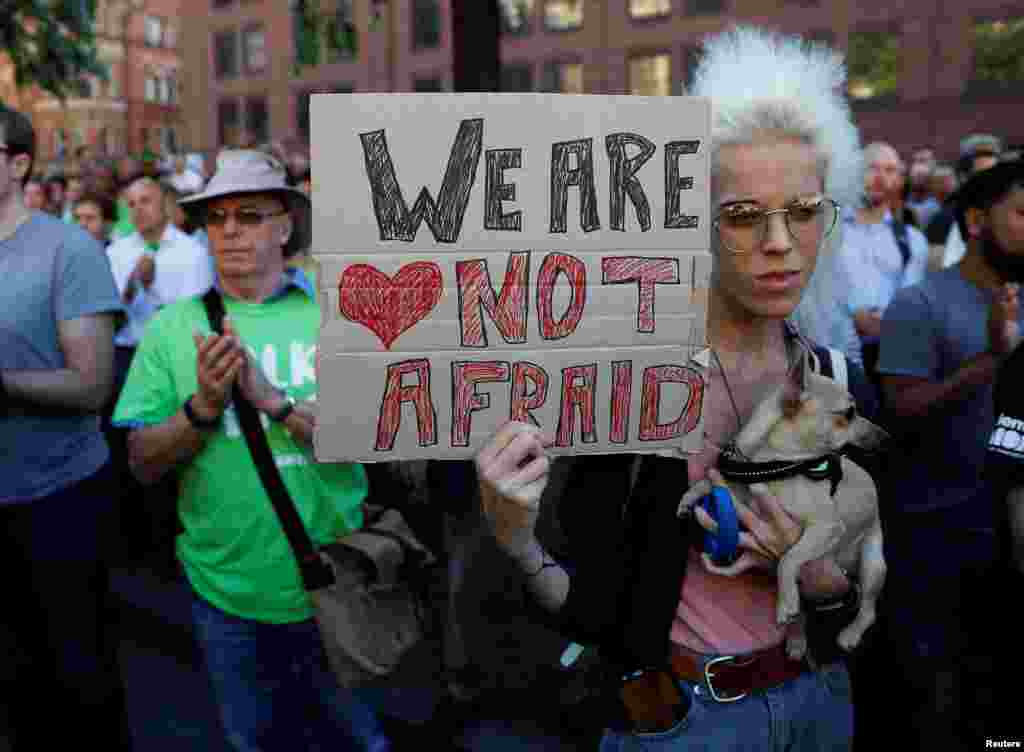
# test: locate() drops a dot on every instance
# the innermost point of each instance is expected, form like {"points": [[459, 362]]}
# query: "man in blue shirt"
{"points": [[57, 516], [943, 341], [878, 254]]}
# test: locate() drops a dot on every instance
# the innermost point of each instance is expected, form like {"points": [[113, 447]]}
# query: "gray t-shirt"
{"points": [[929, 331], [51, 272]]}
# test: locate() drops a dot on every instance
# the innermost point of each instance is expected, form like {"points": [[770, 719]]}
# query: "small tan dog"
{"points": [[796, 433]]}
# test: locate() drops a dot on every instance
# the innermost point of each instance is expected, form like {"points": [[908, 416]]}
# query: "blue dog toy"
{"points": [[722, 546]]}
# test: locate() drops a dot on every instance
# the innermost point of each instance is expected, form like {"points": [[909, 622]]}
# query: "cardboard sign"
{"points": [[486, 257]]}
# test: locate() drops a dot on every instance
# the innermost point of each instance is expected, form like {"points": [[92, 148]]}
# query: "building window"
{"points": [[254, 49], [257, 119], [561, 15], [341, 34], [225, 53], [152, 87], [651, 75], [873, 62], [217, 4], [305, 36], [171, 84], [515, 16], [516, 78], [649, 8], [153, 31], [705, 7], [562, 78], [427, 85], [228, 122], [426, 24], [998, 54]]}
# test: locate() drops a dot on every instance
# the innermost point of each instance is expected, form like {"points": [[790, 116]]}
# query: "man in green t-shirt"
{"points": [[253, 618]]}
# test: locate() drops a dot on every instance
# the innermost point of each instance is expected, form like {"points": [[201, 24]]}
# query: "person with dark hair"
{"points": [[96, 213], [1004, 465], [252, 615], [57, 520], [56, 190], [76, 188], [978, 152], [35, 195], [943, 341]]}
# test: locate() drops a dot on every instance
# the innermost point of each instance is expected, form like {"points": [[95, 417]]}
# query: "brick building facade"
{"points": [[136, 108], [915, 62]]}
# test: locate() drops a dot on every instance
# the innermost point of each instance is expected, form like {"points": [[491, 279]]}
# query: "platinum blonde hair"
{"points": [[761, 82]]}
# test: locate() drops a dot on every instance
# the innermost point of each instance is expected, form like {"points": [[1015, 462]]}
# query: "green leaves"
{"points": [[51, 43], [874, 61], [998, 53], [322, 35]]}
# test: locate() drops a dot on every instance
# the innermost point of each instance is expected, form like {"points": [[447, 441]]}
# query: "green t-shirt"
{"points": [[233, 549]]}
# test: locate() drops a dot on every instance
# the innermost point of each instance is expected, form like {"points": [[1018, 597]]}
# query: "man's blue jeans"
{"points": [[275, 690], [812, 713]]}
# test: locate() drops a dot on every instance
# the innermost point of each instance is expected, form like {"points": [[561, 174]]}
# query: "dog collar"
{"points": [[826, 467]]}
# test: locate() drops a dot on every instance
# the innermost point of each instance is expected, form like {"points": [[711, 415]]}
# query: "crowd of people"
{"points": [[116, 394]]}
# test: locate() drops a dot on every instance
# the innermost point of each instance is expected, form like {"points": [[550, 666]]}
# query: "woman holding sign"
{"points": [[785, 149]]}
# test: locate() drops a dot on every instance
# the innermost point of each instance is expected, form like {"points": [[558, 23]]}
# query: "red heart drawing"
{"points": [[388, 306]]}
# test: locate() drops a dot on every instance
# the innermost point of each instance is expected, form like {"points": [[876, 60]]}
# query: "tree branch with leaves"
{"points": [[51, 44]]}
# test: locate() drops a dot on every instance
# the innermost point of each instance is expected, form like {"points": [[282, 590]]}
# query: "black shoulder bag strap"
{"points": [[316, 574], [899, 231]]}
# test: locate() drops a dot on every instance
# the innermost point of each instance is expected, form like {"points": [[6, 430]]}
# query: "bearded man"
{"points": [[943, 342]]}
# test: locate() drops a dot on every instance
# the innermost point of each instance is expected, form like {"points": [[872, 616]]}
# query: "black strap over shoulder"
{"points": [[899, 231], [316, 574]]}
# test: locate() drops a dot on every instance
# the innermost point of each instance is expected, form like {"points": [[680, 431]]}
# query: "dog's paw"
{"points": [[696, 492], [850, 638], [788, 607], [796, 645]]}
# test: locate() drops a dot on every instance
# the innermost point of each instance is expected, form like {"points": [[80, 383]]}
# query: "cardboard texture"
{"points": [[485, 257]]}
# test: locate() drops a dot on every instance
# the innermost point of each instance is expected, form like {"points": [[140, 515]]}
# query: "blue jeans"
{"points": [[812, 713], [275, 690]]}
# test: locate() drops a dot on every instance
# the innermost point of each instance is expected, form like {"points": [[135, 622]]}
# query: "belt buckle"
{"points": [[709, 675]]}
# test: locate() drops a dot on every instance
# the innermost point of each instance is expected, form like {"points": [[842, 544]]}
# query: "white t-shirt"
{"points": [[183, 269]]}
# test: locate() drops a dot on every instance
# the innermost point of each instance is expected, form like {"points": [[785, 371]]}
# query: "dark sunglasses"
{"points": [[244, 217]]}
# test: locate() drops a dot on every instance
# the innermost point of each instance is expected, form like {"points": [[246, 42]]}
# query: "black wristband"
{"points": [[198, 422], [282, 415]]}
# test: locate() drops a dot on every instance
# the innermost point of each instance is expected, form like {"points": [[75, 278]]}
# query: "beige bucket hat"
{"points": [[242, 171]]}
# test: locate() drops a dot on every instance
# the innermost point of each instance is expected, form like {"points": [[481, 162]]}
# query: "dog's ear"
{"points": [[796, 384]]}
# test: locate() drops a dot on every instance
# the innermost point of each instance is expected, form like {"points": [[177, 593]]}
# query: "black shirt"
{"points": [[941, 223], [1004, 464]]}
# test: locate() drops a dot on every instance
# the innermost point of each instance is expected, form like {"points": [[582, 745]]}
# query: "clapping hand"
{"points": [[1004, 320], [253, 383]]}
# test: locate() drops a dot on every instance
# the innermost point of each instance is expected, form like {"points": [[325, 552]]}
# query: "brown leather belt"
{"points": [[733, 677]]}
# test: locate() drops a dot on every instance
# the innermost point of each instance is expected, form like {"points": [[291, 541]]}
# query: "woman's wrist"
{"points": [[823, 580]]}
